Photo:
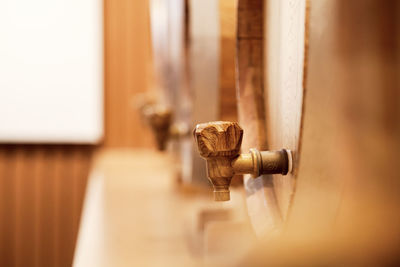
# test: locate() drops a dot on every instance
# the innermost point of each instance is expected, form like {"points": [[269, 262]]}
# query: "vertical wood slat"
{"points": [[25, 205], [2, 206], [7, 207], [250, 71], [8, 201], [38, 173], [127, 59], [60, 162], [42, 188], [261, 197], [67, 212], [227, 80], [47, 211], [82, 163]]}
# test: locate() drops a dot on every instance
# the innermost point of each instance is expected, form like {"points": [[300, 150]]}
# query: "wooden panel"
{"points": [[127, 71], [346, 208], [250, 68], [261, 198], [42, 192], [284, 62], [227, 79], [270, 90], [353, 121], [7, 207], [24, 236], [46, 169]]}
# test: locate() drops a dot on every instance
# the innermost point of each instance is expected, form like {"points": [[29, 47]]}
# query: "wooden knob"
{"points": [[218, 139], [159, 118], [219, 143]]}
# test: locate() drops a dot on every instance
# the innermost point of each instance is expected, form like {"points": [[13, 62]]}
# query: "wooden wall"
{"points": [[42, 186], [227, 79], [346, 207], [128, 71]]}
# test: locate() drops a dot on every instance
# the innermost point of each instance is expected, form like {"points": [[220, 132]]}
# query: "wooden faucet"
{"points": [[219, 144], [160, 119]]}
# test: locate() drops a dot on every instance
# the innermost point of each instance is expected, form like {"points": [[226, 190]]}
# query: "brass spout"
{"points": [[257, 162], [219, 144]]}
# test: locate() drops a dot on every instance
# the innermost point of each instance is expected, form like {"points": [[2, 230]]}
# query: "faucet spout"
{"points": [[219, 144]]}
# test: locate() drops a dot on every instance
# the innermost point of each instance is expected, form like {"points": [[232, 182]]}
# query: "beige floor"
{"points": [[134, 215]]}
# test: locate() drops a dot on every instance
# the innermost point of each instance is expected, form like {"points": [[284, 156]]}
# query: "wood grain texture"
{"points": [[127, 70], [219, 143], [353, 121], [227, 78], [42, 192], [346, 208], [261, 198], [218, 139], [270, 89], [283, 78]]}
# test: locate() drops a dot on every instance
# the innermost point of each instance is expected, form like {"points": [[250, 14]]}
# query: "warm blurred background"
{"points": [[49, 138], [99, 99]]}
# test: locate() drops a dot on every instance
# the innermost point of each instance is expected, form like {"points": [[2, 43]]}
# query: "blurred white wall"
{"points": [[51, 71]]}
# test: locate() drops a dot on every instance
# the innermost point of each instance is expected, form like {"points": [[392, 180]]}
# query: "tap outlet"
{"points": [[219, 144]]}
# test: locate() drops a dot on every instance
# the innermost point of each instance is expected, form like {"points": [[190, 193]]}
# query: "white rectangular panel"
{"points": [[51, 71]]}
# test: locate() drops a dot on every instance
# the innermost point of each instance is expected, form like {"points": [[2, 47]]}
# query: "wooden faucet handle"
{"points": [[159, 118], [219, 142], [218, 139]]}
